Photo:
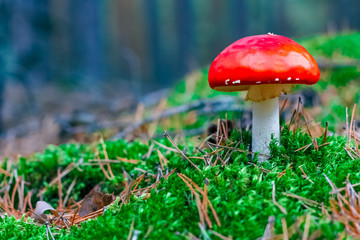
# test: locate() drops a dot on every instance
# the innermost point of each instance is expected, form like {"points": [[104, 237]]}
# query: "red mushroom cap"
{"points": [[262, 59]]}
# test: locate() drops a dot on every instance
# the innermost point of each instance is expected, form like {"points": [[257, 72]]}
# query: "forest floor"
{"points": [[198, 179]]}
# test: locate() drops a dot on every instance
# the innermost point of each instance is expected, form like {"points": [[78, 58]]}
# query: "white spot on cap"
{"points": [[269, 33], [226, 81], [235, 82], [258, 82], [297, 79], [289, 78], [277, 79]]}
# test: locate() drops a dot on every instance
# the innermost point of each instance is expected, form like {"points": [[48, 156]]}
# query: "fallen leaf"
{"points": [[95, 201], [40, 209]]}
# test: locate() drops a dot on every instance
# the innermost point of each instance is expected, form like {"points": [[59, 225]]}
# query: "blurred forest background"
{"points": [[64, 62]]}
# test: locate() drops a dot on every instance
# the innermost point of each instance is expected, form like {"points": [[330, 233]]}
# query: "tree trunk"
{"points": [[186, 60], [87, 45]]}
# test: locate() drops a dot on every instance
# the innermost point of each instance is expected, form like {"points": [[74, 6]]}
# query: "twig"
{"points": [[347, 125], [179, 151], [282, 209], [307, 227], [60, 206], [309, 201], [283, 106], [69, 191], [326, 133], [131, 229], [285, 229], [107, 158], [305, 175]]}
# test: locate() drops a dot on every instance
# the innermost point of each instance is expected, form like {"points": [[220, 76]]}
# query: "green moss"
{"points": [[241, 193]]}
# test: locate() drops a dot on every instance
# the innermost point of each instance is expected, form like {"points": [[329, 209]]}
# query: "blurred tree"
{"points": [[186, 50], [4, 16], [239, 17], [153, 32], [87, 42], [30, 27]]}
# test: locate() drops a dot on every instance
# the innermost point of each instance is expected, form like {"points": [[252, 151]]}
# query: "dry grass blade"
{"points": [[219, 235], [149, 231], [305, 200], [283, 106], [304, 148], [66, 171], [306, 123], [107, 158], [200, 209], [305, 175], [297, 116], [269, 230], [165, 147], [187, 181], [131, 229], [179, 151], [345, 209], [5, 172], [347, 125], [287, 232], [235, 149], [285, 229], [334, 188], [351, 122], [282, 209], [343, 188], [14, 192], [69, 191], [284, 172], [326, 132], [162, 159], [60, 206], [307, 227], [264, 170]]}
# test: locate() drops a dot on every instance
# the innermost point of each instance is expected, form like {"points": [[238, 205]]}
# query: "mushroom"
{"points": [[265, 66]]}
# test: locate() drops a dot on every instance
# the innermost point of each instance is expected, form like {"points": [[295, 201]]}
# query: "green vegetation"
{"points": [[240, 190]]}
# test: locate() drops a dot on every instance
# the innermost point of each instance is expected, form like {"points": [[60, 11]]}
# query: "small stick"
{"points": [[131, 229], [292, 118], [225, 133], [106, 157], [69, 191], [305, 175], [355, 140], [307, 227], [347, 124], [14, 191], [351, 121], [60, 190], [304, 147], [296, 117], [73, 218], [179, 151], [218, 131], [282, 209], [149, 231], [306, 123], [285, 229], [326, 133], [283, 106]]}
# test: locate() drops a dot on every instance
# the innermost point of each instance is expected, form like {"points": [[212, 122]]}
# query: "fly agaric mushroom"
{"points": [[265, 66]]}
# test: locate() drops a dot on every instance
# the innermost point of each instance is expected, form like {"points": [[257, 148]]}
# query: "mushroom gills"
{"points": [[258, 93]]}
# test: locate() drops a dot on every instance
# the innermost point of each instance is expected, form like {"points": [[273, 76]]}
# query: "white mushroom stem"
{"points": [[265, 123]]}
